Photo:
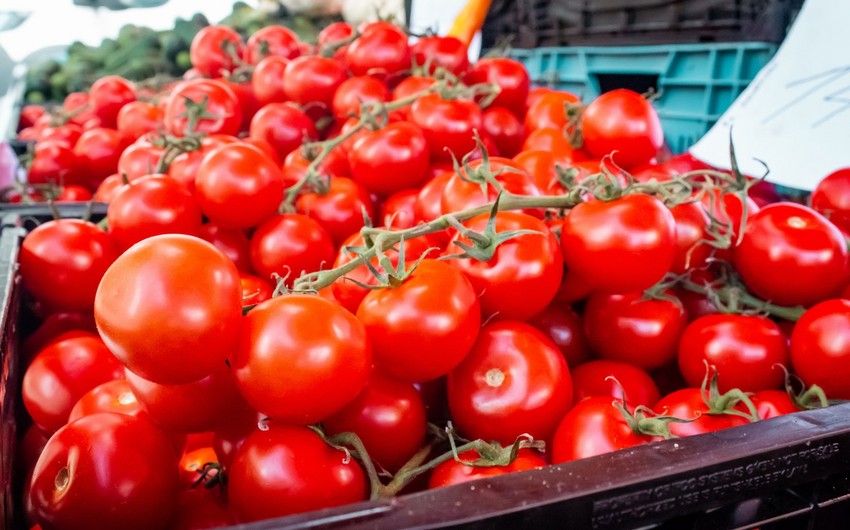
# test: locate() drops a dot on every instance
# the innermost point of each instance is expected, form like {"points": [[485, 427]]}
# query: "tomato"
{"points": [[743, 348], [390, 159], [307, 474], [248, 103], [625, 122], [283, 126], [335, 164], [728, 210], [29, 447], [339, 211], [107, 95], [238, 186], [819, 351], [831, 198], [553, 141], [98, 151], [280, 41], [137, 118], [61, 374], [355, 92], [170, 308], [428, 201], [505, 129], [410, 86], [185, 166], [213, 49], [267, 80], [290, 244], [313, 79], [30, 114], [509, 75], [139, 159], [620, 246], [452, 472], [549, 110], [696, 305], [276, 371], [62, 262], [540, 165], [199, 509], [111, 396], [338, 31], [787, 240], [565, 329], [52, 162], [223, 113], [514, 381], [448, 124], [232, 241], [255, 290], [152, 205], [81, 465], [381, 51], [439, 52], [463, 191], [688, 403], [623, 327], [614, 379], [692, 224], [66, 135], [773, 403], [397, 211], [389, 418], [56, 325]]}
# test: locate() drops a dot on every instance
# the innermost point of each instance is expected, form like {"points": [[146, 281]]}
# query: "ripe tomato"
{"points": [[625, 122], [443, 52], [565, 329], [397, 211], [52, 162], [107, 95], [339, 211], [81, 465], [448, 124], [214, 50], [232, 241], [623, 327], [66, 135], [428, 202], [553, 141], [200, 508], [819, 351], [98, 151], [111, 396], [743, 348], [283, 126], [290, 244], [692, 252], [54, 326], [513, 382], [223, 113], [279, 40], [137, 118], [357, 91], [389, 418], [461, 192], [452, 472], [62, 262], [254, 289], [139, 159], [540, 165], [390, 159], [308, 474], [728, 209], [292, 350], [170, 308], [620, 246], [313, 79], [238, 186], [786, 240], [410, 86], [267, 80], [505, 129], [831, 198], [381, 51], [523, 274], [614, 379], [773, 403], [434, 312], [688, 403], [61, 374], [549, 110], [335, 32], [509, 75]]}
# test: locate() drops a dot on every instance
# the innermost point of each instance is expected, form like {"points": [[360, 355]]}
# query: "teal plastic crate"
{"points": [[696, 82]]}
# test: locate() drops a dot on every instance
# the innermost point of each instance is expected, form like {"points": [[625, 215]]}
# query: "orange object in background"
{"points": [[470, 20]]}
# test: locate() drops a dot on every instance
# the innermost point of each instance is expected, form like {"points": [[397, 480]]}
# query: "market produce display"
{"points": [[354, 271]]}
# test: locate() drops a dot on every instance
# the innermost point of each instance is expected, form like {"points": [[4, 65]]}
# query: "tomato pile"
{"points": [[328, 271]]}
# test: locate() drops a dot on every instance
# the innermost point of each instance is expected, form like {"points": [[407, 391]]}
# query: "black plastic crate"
{"points": [[536, 23], [785, 473]]}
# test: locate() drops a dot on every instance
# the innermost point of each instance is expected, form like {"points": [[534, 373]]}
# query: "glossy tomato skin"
{"points": [[513, 382], [511, 77], [434, 312], [819, 351], [505, 129], [232, 241], [691, 224], [62, 262], [356, 91], [390, 159], [389, 418], [593, 427], [622, 121], [773, 403], [107, 95], [340, 211], [280, 40], [111, 396], [743, 348], [623, 327], [170, 308], [283, 126], [200, 508], [620, 246], [410, 86], [787, 240], [313, 79], [540, 165], [448, 53], [208, 53], [53, 162], [523, 275], [565, 328], [288, 469], [137, 118], [613, 379], [548, 110], [290, 244], [292, 349], [61, 374], [452, 472], [255, 289], [139, 159], [461, 193], [222, 106], [267, 80], [831, 198], [98, 151], [688, 403], [381, 51], [397, 211], [77, 473], [448, 125], [238, 186]]}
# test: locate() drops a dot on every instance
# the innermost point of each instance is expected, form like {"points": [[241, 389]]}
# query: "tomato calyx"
{"points": [[211, 475], [644, 421], [484, 243], [805, 398], [720, 404], [175, 146], [195, 112]]}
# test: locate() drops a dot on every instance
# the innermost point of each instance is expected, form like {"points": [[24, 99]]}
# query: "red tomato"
{"points": [[389, 418], [238, 186], [54, 326], [98, 151], [293, 349], [107, 95], [192, 464], [138, 160], [521, 276], [223, 113], [549, 110], [137, 118], [743, 348], [355, 92], [692, 251], [615, 379], [434, 312], [565, 329], [831, 198], [66, 135], [514, 381], [448, 124], [62, 262], [773, 403], [255, 290], [280, 41], [170, 308], [81, 465], [540, 164], [452, 472], [625, 122], [61, 374], [620, 246], [381, 51], [338, 31], [283, 126], [397, 212], [390, 159], [505, 129], [509, 75], [308, 474], [339, 211], [688, 403], [52, 162], [248, 103], [214, 50], [428, 201], [111, 396], [232, 241], [290, 244], [819, 351], [446, 53], [333, 165], [410, 86], [463, 191], [553, 141], [787, 240], [199, 509], [728, 209], [313, 79], [29, 115], [267, 80]]}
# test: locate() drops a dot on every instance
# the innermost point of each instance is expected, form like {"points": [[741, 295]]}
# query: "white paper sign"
{"points": [[795, 115]]}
